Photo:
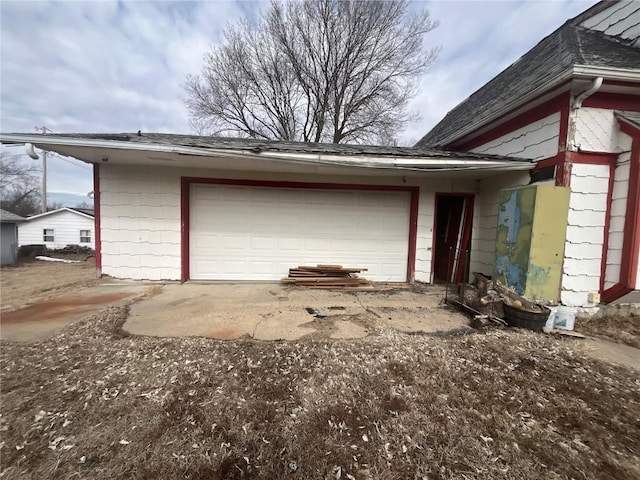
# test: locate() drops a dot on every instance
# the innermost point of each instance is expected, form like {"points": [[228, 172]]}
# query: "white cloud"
{"points": [[479, 39], [111, 66]]}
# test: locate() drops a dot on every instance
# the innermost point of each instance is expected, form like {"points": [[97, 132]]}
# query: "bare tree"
{"points": [[55, 206], [335, 71], [19, 185]]}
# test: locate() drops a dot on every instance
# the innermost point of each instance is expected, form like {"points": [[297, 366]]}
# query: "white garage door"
{"points": [[258, 233]]}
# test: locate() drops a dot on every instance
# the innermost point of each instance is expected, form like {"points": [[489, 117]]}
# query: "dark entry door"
{"points": [[454, 214]]}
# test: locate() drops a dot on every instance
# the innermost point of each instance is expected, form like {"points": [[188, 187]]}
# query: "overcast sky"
{"points": [[103, 66]]}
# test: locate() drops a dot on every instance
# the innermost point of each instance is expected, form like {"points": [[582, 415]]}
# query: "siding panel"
{"points": [[485, 219], [585, 233], [616, 226], [535, 141], [620, 20]]}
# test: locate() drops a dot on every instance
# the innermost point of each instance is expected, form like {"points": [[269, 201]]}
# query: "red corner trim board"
{"points": [[631, 234], [97, 234], [185, 197]]}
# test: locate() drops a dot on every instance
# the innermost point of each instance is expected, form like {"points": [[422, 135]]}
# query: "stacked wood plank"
{"points": [[327, 277]]}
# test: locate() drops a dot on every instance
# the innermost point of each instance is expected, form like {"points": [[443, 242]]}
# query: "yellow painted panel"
{"points": [[548, 235]]}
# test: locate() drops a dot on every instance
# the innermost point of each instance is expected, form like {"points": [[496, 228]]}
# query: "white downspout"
{"points": [[595, 86], [575, 106]]}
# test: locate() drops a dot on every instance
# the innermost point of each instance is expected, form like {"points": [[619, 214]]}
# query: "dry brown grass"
{"points": [[32, 280], [619, 328], [94, 403]]}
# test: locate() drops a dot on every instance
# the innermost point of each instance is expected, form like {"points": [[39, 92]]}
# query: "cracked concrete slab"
{"points": [[279, 312], [43, 319]]}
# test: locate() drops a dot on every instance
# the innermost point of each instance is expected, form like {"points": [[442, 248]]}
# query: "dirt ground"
{"points": [[621, 329], [33, 280], [95, 402]]}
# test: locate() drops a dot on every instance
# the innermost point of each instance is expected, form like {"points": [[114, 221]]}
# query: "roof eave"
{"points": [[58, 210], [426, 163], [575, 71]]}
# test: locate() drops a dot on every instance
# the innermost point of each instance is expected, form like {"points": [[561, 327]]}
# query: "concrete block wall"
{"points": [[140, 215]]}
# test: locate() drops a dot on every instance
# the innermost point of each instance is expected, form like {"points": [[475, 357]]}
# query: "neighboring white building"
{"points": [[59, 228]]}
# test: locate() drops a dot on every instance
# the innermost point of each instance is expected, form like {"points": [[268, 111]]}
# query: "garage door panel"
{"points": [[258, 233], [264, 243]]}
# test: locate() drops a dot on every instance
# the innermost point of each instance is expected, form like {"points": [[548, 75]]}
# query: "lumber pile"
{"points": [[330, 277]]}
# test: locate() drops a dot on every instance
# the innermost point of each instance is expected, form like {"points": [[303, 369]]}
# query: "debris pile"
{"points": [[491, 301], [329, 277]]}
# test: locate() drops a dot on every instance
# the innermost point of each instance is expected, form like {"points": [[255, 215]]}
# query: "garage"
{"points": [[249, 232]]}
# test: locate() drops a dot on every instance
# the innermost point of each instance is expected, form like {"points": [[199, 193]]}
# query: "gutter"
{"points": [[392, 163]]}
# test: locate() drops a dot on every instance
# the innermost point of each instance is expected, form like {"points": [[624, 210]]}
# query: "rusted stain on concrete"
{"points": [[59, 307], [225, 333]]}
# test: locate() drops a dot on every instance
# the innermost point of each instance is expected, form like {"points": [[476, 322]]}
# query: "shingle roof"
{"points": [[259, 146], [86, 211], [570, 45], [8, 217]]}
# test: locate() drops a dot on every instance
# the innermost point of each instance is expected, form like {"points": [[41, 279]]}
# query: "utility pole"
{"points": [[44, 131]]}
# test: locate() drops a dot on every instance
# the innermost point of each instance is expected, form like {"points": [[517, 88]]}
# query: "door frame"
{"points": [[185, 191], [465, 236]]}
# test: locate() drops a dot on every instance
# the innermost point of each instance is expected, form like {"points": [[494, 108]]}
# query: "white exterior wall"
{"points": [[140, 216], [596, 130], [536, 141], [621, 20], [485, 219], [66, 226], [616, 227], [585, 233], [424, 240]]}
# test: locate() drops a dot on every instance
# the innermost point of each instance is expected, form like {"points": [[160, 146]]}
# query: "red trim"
{"points": [[621, 83], [631, 234], [556, 161], [617, 101], [466, 237], [413, 234], [279, 184], [466, 231], [184, 209], [631, 243], [547, 162], [536, 113], [433, 236], [615, 292], [594, 158], [185, 274], [563, 175], [97, 234]]}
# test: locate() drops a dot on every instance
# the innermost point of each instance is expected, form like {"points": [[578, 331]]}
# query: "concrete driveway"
{"points": [[273, 312], [44, 318]]}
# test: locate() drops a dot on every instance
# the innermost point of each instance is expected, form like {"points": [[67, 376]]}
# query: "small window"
{"points": [[85, 236], [47, 234]]}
